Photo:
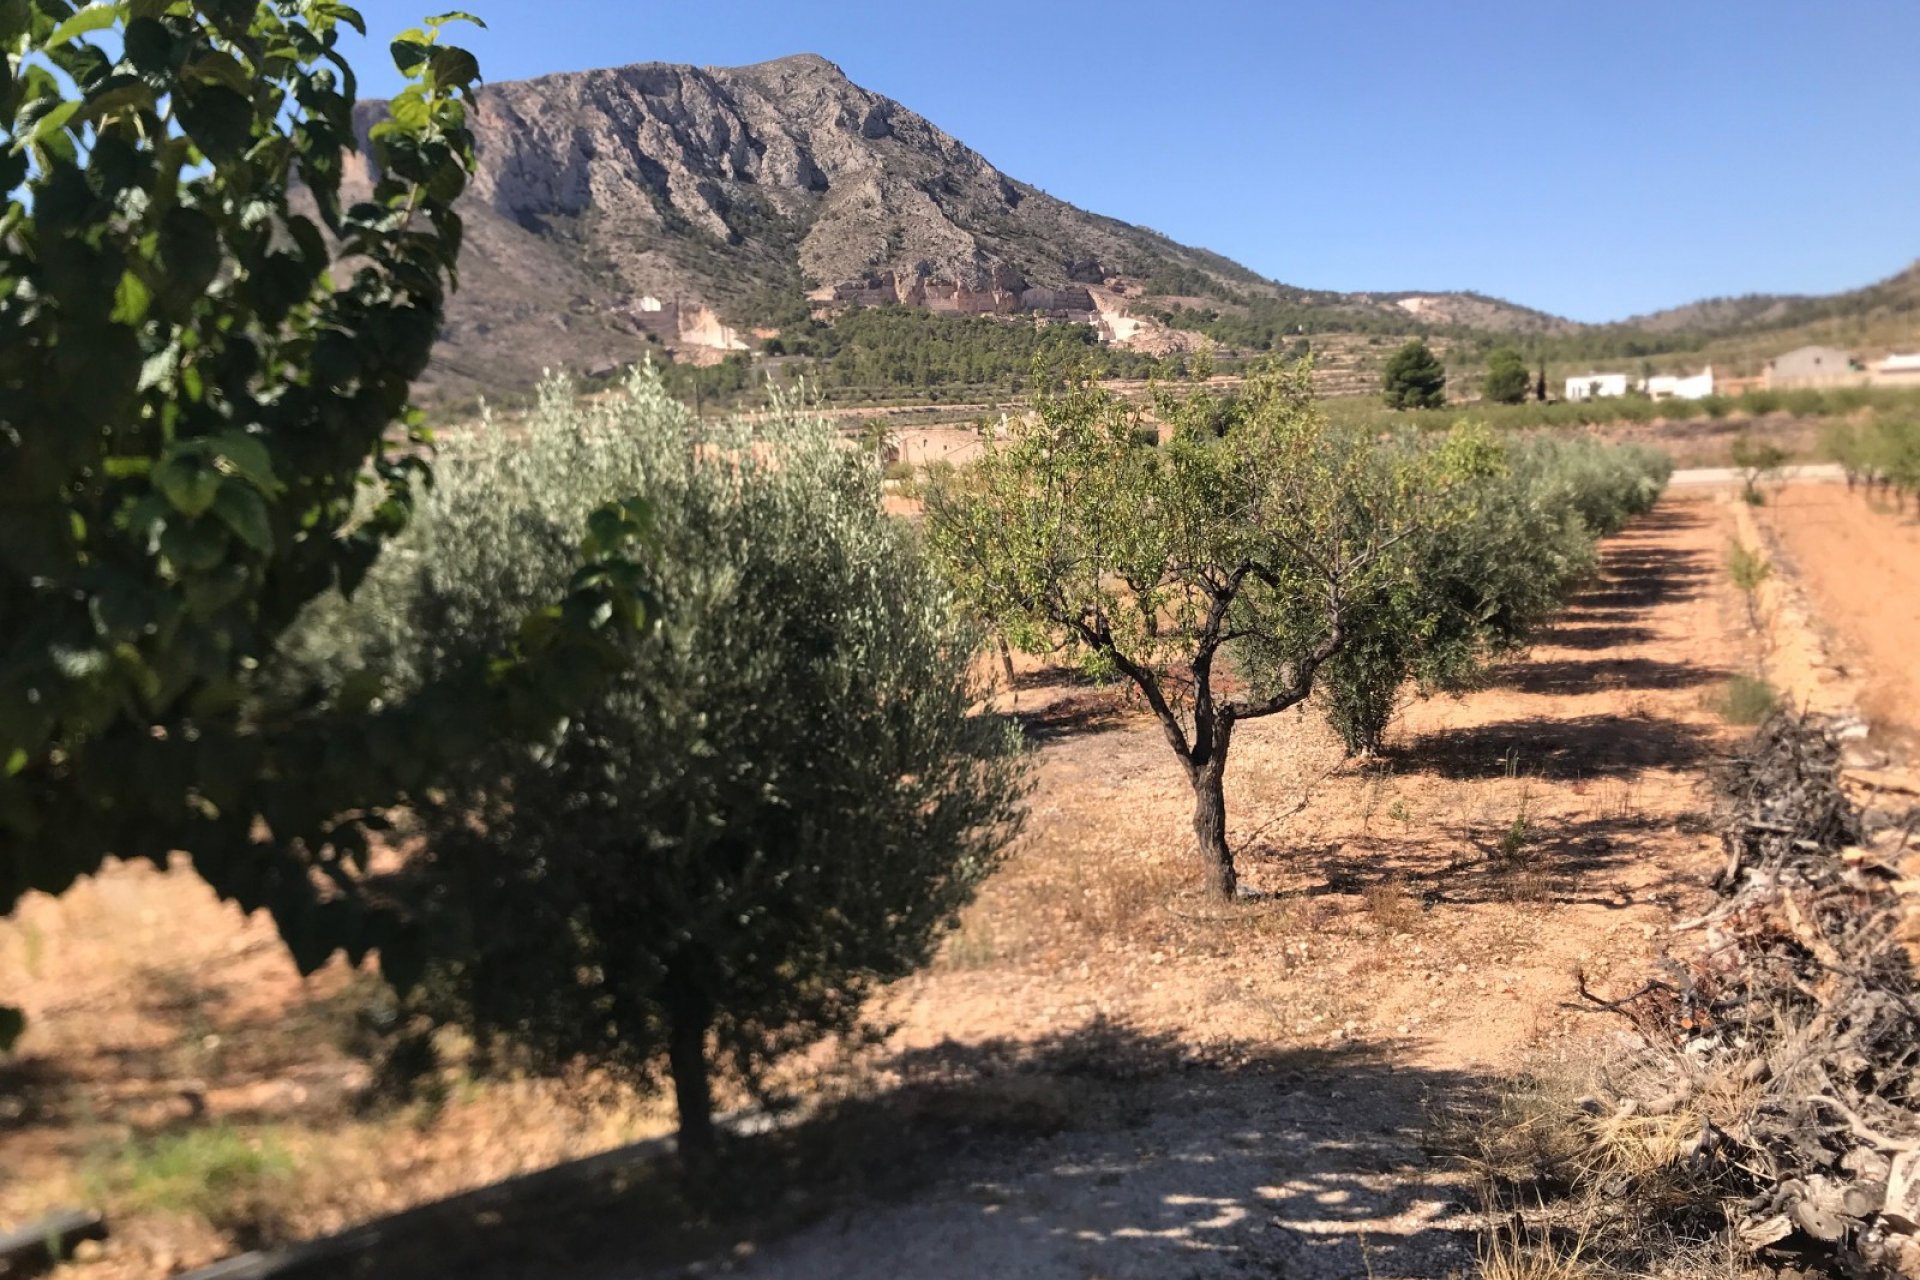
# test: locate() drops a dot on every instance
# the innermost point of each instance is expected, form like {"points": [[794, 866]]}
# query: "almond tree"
{"points": [[206, 359], [1256, 524]]}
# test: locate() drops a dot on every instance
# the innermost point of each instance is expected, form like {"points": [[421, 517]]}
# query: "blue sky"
{"points": [[1592, 159]]}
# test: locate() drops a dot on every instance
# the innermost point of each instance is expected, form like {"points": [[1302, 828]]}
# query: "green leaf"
{"points": [[16, 761], [95, 17], [48, 125], [189, 484], [411, 51], [454, 68], [194, 546], [219, 67], [131, 300], [245, 512], [219, 121], [246, 456], [455, 15]]}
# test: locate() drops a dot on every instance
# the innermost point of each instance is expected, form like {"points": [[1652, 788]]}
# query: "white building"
{"points": [[1900, 368], [1593, 386], [1695, 387]]}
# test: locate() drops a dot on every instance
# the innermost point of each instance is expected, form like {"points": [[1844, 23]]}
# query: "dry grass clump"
{"points": [[1392, 907], [1511, 1252]]}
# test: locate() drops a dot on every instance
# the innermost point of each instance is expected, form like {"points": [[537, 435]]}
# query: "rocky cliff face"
{"points": [[603, 197]]}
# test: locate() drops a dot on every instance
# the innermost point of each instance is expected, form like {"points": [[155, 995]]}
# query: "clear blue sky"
{"points": [[1591, 159]]}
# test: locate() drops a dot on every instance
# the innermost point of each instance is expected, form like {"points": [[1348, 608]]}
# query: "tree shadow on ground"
{"points": [[1101, 1150], [1557, 860], [1092, 711], [1053, 677], [1601, 635], [1580, 747], [1599, 675]]}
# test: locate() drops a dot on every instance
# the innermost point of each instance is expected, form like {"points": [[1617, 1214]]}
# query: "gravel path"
{"points": [[1225, 1175]]}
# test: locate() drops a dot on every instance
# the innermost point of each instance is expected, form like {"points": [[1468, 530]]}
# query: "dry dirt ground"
{"points": [[1131, 1081], [1855, 560]]}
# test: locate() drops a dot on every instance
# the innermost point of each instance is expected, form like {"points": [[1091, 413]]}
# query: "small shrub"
{"points": [[222, 1174], [1749, 570], [1746, 700], [900, 470]]}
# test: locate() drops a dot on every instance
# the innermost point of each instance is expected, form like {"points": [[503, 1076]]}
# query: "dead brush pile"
{"points": [[1770, 1112]]}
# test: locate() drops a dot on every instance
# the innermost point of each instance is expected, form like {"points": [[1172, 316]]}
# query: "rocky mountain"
{"points": [[688, 206]]}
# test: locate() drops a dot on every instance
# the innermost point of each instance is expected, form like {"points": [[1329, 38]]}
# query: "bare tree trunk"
{"points": [[1006, 658], [1210, 827], [689, 1016]]}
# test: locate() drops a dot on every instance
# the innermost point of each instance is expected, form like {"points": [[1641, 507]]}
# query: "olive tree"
{"points": [[1893, 449], [782, 800], [1757, 461], [1256, 524]]}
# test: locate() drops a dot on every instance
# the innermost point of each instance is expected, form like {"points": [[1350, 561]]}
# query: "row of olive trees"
{"points": [[1884, 453], [1260, 535], [1480, 587]]}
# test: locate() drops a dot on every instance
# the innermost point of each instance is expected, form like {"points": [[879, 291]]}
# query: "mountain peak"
{"points": [[793, 62]]}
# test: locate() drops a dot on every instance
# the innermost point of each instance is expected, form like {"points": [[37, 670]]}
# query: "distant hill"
{"points": [[682, 206], [1758, 312]]}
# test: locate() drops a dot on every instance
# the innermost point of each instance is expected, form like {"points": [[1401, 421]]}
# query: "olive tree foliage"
{"points": [[1884, 452], [1414, 378], [783, 800], [205, 363], [1478, 586], [1257, 524]]}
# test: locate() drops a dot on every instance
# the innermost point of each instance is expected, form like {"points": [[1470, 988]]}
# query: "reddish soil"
{"points": [[1858, 560]]}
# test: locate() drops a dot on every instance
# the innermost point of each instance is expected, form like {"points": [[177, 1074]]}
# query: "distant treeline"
{"points": [[1804, 403]]}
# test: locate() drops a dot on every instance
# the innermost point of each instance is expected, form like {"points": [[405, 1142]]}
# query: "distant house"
{"points": [[1812, 367], [1694, 387], [1897, 368], [1593, 386]]}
